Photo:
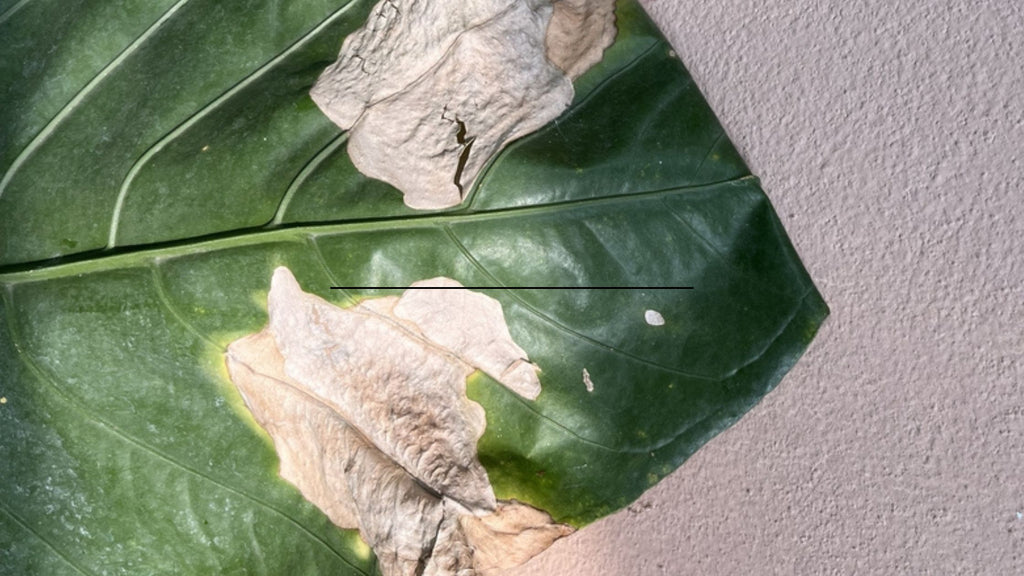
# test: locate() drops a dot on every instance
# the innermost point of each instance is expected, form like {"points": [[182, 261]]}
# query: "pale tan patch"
{"points": [[430, 91], [405, 397], [587, 381], [472, 326], [368, 412], [579, 33], [512, 535], [295, 421]]}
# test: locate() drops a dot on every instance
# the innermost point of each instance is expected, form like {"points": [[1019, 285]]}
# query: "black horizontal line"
{"points": [[513, 287]]}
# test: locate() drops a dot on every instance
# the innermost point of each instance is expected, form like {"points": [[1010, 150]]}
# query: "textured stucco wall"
{"points": [[889, 136]]}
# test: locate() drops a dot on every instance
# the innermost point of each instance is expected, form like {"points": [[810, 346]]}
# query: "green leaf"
{"points": [[168, 156]]}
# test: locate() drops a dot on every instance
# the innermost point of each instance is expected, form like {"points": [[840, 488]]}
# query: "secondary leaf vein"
{"points": [[10, 11], [303, 174], [206, 110], [165, 301], [25, 526], [71, 106], [558, 325]]}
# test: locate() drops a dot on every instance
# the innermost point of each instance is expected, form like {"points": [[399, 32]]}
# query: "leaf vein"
{"points": [[72, 105], [206, 110], [249, 236], [558, 325], [710, 246], [775, 337], [711, 149], [652, 116], [10, 11], [165, 301], [303, 174], [322, 261], [25, 526], [572, 109]]}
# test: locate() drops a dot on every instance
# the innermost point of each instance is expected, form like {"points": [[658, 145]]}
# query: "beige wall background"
{"points": [[889, 136]]}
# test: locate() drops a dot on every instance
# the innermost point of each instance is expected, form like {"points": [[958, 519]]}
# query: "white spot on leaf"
{"points": [[654, 318], [587, 381]]}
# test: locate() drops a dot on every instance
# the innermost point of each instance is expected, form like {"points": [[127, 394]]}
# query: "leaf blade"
{"points": [[111, 359]]}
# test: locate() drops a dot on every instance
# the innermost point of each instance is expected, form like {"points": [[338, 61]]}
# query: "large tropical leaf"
{"points": [[161, 158]]}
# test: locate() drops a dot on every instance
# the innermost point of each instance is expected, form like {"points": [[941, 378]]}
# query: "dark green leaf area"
{"points": [[632, 135], [192, 128], [330, 188], [543, 457], [733, 298], [234, 170], [124, 455], [39, 77], [220, 88]]}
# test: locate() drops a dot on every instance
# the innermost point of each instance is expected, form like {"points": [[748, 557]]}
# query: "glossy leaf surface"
{"points": [[169, 155]]}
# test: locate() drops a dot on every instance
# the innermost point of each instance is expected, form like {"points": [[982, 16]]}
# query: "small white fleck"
{"points": [[654, 318], [587, 381], [1020, 515], [3, 400], [205, 148]]}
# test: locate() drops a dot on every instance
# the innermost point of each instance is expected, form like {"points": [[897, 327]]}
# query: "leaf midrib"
{"points": [[134, 256]]}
